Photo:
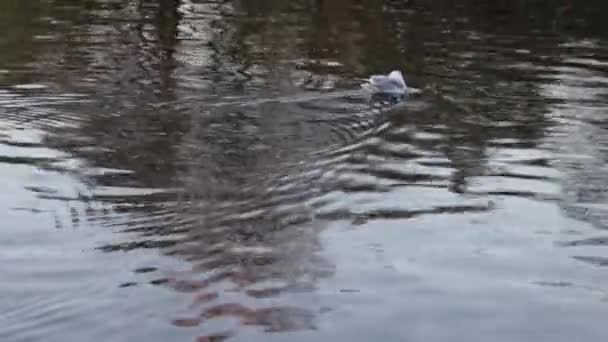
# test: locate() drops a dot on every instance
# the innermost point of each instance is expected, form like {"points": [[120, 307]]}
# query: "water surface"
{"points": [[208, 170]]}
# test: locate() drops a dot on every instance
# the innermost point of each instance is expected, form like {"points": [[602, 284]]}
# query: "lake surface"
{"points": [[209, 170]]}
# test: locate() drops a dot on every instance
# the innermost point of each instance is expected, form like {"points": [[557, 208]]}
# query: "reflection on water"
{"points": [[203, 170]]}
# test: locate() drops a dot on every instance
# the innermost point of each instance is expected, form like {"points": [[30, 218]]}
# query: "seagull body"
{"points": [[393, 84]]}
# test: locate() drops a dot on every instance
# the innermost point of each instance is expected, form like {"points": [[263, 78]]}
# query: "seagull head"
{"points": [[396, 76]]}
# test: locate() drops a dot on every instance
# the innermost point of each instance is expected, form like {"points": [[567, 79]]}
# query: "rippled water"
{"points": [[208, 170]]}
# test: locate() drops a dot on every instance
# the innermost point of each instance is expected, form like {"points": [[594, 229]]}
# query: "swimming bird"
{"points": [[393, 84]]}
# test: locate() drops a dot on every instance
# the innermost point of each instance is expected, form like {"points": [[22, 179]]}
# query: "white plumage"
{"points": [[392, 84]]}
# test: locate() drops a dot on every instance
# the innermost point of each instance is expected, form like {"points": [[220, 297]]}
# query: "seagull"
{"points": [[393, 84]]}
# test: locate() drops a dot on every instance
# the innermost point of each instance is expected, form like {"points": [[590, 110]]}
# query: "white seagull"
{"points": [[393, 84]]}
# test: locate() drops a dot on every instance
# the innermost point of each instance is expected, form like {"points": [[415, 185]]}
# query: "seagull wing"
{"points": [[386, 85]]}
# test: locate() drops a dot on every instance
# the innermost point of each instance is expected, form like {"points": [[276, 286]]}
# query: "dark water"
{"points": [[208, 170]]}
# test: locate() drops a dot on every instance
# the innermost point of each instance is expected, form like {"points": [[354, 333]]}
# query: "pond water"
{"points": [[181, 170]]}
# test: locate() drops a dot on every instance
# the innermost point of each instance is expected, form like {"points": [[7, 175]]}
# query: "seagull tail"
{"points": [[369, 87]]}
